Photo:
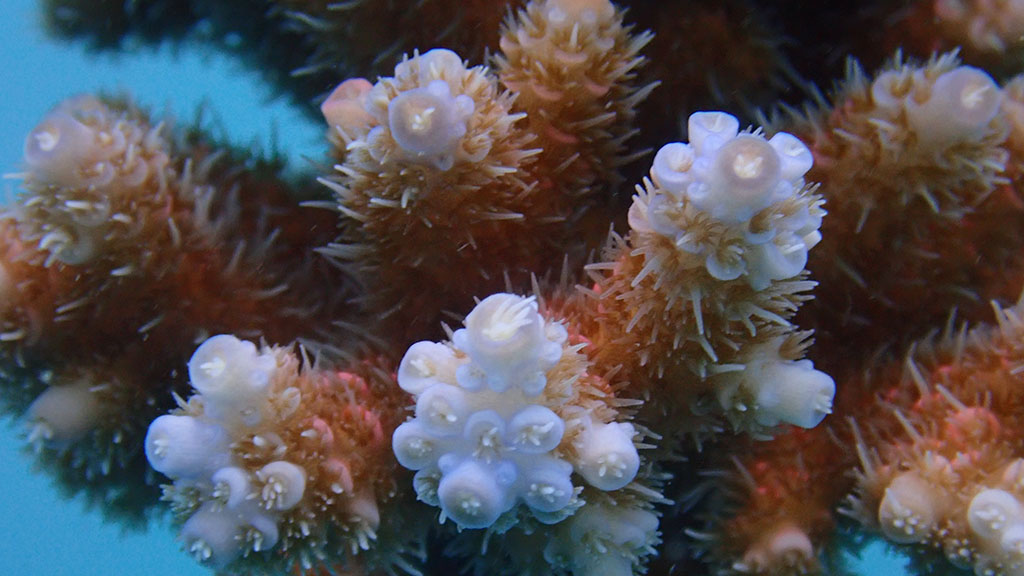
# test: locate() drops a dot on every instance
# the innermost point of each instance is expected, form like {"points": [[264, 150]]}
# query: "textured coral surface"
{"points": [[573, 287]]}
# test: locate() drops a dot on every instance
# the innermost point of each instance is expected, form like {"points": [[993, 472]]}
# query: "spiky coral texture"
{"points": [[774, 511]]}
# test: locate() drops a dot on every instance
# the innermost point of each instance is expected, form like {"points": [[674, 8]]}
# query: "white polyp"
{"points": [[791, 391], [213, 536], [907, 512], [284, 484], [606, 456], [991, 512], [506, 340], [485, 432], [1012, 541], [186, 447], [232, 376], [425, 364], [960, 106], [262, 530], [671, 167], [231, 485], [547, 484], [795, 157], [535, 430], [59, 147], [65, 414], [428, 122], [413, 445], [345, 108], [745, 173], [436, 64], [709, 130], [442, 409], [725, 269], [886, 90], [425, 484], [780, 543], [783, 258], [471, 496], [622, 527]]}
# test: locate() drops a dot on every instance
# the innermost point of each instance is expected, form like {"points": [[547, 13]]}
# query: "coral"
{"points": [[459, 335]]}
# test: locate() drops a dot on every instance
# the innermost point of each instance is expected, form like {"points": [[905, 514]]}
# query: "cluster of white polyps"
{"points": [[83, 154], [956, 106], [427, 121], [732, 177], [239, 510], [482, 438]]}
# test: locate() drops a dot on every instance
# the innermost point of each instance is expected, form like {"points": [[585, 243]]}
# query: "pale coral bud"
{"points": [[991, 512], [60, 147], [671, 167], [213, 536], [284, 484], [779, 547], [186, 447], [443, 409], [908, 511], [565, 13], [425, 364], [505, 338], [548, 486], [345, 108], [64, 414], [795, 157], [535, 430], [474, 496], [792, 392], [485, 432], [745, 172], [428, 122], [958, 107], [231, 485], [413, 445], [232, 376], [606, 456], [707, 131]]}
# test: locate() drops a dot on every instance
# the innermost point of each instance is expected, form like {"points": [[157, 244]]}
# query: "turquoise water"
{"points": [[44, 534]]}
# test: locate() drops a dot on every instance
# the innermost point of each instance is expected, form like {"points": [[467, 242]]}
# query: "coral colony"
{"points": [[507, 324]]}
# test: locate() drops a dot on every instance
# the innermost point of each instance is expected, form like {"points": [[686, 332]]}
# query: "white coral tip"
{"points": [[225, 368], [413, 446], [424, 364], [607, 458], [346, 107], [535, 430], [960, 106], [59, 148], [991, 512], [795, 156], [442, 409], [908, 510], [671, 167], [793, 392], [231, 485], [213, 536], [548, 487], [428, 122], [186, 447], [709, 130], [284, 484], [65, 414], [471, 495]]}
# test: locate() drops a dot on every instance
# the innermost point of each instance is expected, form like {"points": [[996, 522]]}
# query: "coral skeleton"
{"points": [[576, 287]]}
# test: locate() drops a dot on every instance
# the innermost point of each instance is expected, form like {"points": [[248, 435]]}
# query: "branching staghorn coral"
{"points": [[132, 236], [592, 421]]}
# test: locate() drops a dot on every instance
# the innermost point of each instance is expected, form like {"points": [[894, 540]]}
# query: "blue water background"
{"points": [[44, 534]]}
